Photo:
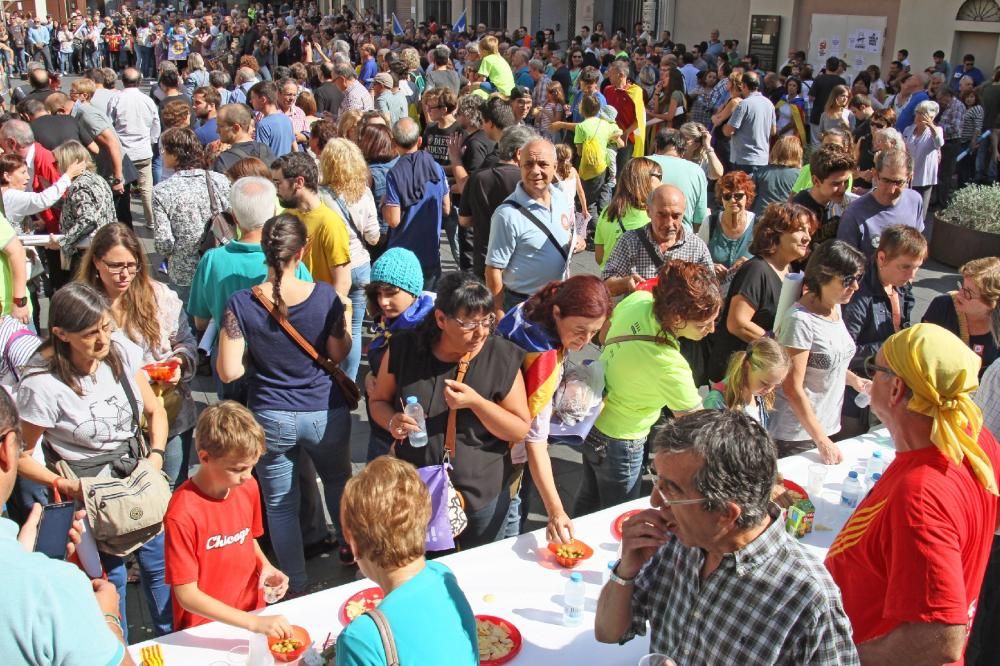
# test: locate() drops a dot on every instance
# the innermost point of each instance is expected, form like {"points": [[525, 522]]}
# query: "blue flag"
{"points": [[397, 27], [461, 24]]}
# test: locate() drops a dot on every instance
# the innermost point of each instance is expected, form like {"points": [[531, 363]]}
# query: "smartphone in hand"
{"points": [[53, 529]]}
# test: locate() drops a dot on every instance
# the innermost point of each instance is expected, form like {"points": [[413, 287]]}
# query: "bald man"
{"points": [[531, 233], [639, 253]]}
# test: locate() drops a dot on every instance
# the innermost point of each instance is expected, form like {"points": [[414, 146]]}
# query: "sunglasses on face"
{"points": [[849, 280], [871, 367], [656, 174], [737, 196]]}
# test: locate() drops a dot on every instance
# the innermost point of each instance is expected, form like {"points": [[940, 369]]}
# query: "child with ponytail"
{"points": [[751, 377]]}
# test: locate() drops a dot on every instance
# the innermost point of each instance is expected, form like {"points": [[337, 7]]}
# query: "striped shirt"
{"points": [[357, 97], [769, 602], [972, 123]]}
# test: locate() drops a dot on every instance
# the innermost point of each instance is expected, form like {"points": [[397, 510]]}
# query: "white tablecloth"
{"points": [[525, 585]]}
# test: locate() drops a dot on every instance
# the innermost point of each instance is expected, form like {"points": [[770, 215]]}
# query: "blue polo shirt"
{"points": [[49, 614], [528, 258], [577, 116], [523, 78], [224, 271]]}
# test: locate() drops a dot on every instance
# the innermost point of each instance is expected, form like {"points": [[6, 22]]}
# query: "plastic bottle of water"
{"points": [[875, 464], [574, 600], [853, 491], [607, 572], [416, 412]]}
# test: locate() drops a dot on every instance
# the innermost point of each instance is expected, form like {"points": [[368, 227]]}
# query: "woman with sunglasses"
{"points": [[808, 404], [865, 149], [972, 311], [730, 230], [489, 402], [152, 316]]}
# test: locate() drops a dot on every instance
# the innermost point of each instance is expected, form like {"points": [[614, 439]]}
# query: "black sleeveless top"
{"points": [[482, 466]]}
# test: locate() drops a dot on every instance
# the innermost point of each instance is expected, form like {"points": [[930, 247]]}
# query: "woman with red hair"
{"points": [[731, 227], [563, 316], [644, 371]]}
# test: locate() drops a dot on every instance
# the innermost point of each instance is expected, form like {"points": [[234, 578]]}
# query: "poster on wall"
{"points": [[765, 31], [858, 40]]}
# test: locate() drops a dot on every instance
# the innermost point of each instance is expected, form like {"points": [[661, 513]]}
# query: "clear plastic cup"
{"points": [[656, 659], [817, 475], [239, 656], [271, 595]]}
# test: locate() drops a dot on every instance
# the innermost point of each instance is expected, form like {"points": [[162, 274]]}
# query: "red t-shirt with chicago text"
{"points": [[915, 550], [211, 542]]}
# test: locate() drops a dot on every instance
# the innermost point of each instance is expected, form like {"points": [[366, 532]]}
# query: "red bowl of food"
{"points": [[571, 554], [162, 371], [290, 649]]}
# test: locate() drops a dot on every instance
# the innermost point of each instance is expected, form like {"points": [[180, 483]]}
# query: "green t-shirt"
{"points": [[607, 231], [633, 406], [498, 72], [605, 131], [7, 234]]}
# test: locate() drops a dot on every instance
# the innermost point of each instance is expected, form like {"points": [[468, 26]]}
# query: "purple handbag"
{"points": [[446, 523]]}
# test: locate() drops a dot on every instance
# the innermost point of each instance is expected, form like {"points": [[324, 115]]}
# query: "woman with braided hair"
{"points": [[292, 396]]}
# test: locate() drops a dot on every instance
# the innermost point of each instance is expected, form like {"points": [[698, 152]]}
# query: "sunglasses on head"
{"points": [[738, 196]]}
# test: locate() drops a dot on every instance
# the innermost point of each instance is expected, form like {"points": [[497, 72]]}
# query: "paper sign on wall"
{"points": [[874, 42]]}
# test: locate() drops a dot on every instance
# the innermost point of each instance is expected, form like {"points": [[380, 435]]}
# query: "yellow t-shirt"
{"points": [[329, 245]]}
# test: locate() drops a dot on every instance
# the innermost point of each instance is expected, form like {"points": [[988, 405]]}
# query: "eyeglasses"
{"points": [[898, 182], [878, 126], [117, 268], [849, 280], [871, 367], [486, 322], [672, 503], [738, 196], [656, 174], [967, 293]]}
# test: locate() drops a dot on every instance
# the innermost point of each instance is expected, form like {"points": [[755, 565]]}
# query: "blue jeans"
{"points": [[360, 277], [157, 592], [379, 441], [157, 166], [65, 62], [325, 436], [612, 469], [177, 458]]}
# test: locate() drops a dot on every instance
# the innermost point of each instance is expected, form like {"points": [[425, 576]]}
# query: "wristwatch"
{"points": [[615, 578], [21, 302], [115, 181]]}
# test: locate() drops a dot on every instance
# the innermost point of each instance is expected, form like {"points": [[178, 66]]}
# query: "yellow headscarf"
{"points": [[942, 373]]}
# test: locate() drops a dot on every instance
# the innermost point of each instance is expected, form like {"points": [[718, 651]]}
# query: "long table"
{"points": [[516, 579]]}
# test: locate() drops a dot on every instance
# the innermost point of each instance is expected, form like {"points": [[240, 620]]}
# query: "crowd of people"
{"points": [[295, 172]]}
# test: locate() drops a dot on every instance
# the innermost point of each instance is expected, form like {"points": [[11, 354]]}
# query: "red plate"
{"points": [[515, 636], [616, 526], [791, 485], [368, 597]]}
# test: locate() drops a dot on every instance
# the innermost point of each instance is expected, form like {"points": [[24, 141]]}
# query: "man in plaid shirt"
{"points": [[711, 569]]}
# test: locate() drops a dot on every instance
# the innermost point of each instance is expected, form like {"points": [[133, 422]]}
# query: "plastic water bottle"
{"points": [[853, 491], [416, 412], [607, 572], [574, 600], [875, 464]]}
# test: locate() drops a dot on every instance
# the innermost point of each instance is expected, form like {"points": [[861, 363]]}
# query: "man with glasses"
{"points": [[890, 202], [911, 559], [710, 568]]}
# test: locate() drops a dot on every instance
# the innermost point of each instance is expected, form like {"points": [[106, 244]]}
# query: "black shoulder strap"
{"points": [[346, 212], [133, 405], [650, 250], [563, 251]]}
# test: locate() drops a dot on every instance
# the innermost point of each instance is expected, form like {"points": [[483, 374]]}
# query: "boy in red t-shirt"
{"points": [[215, 567]]}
